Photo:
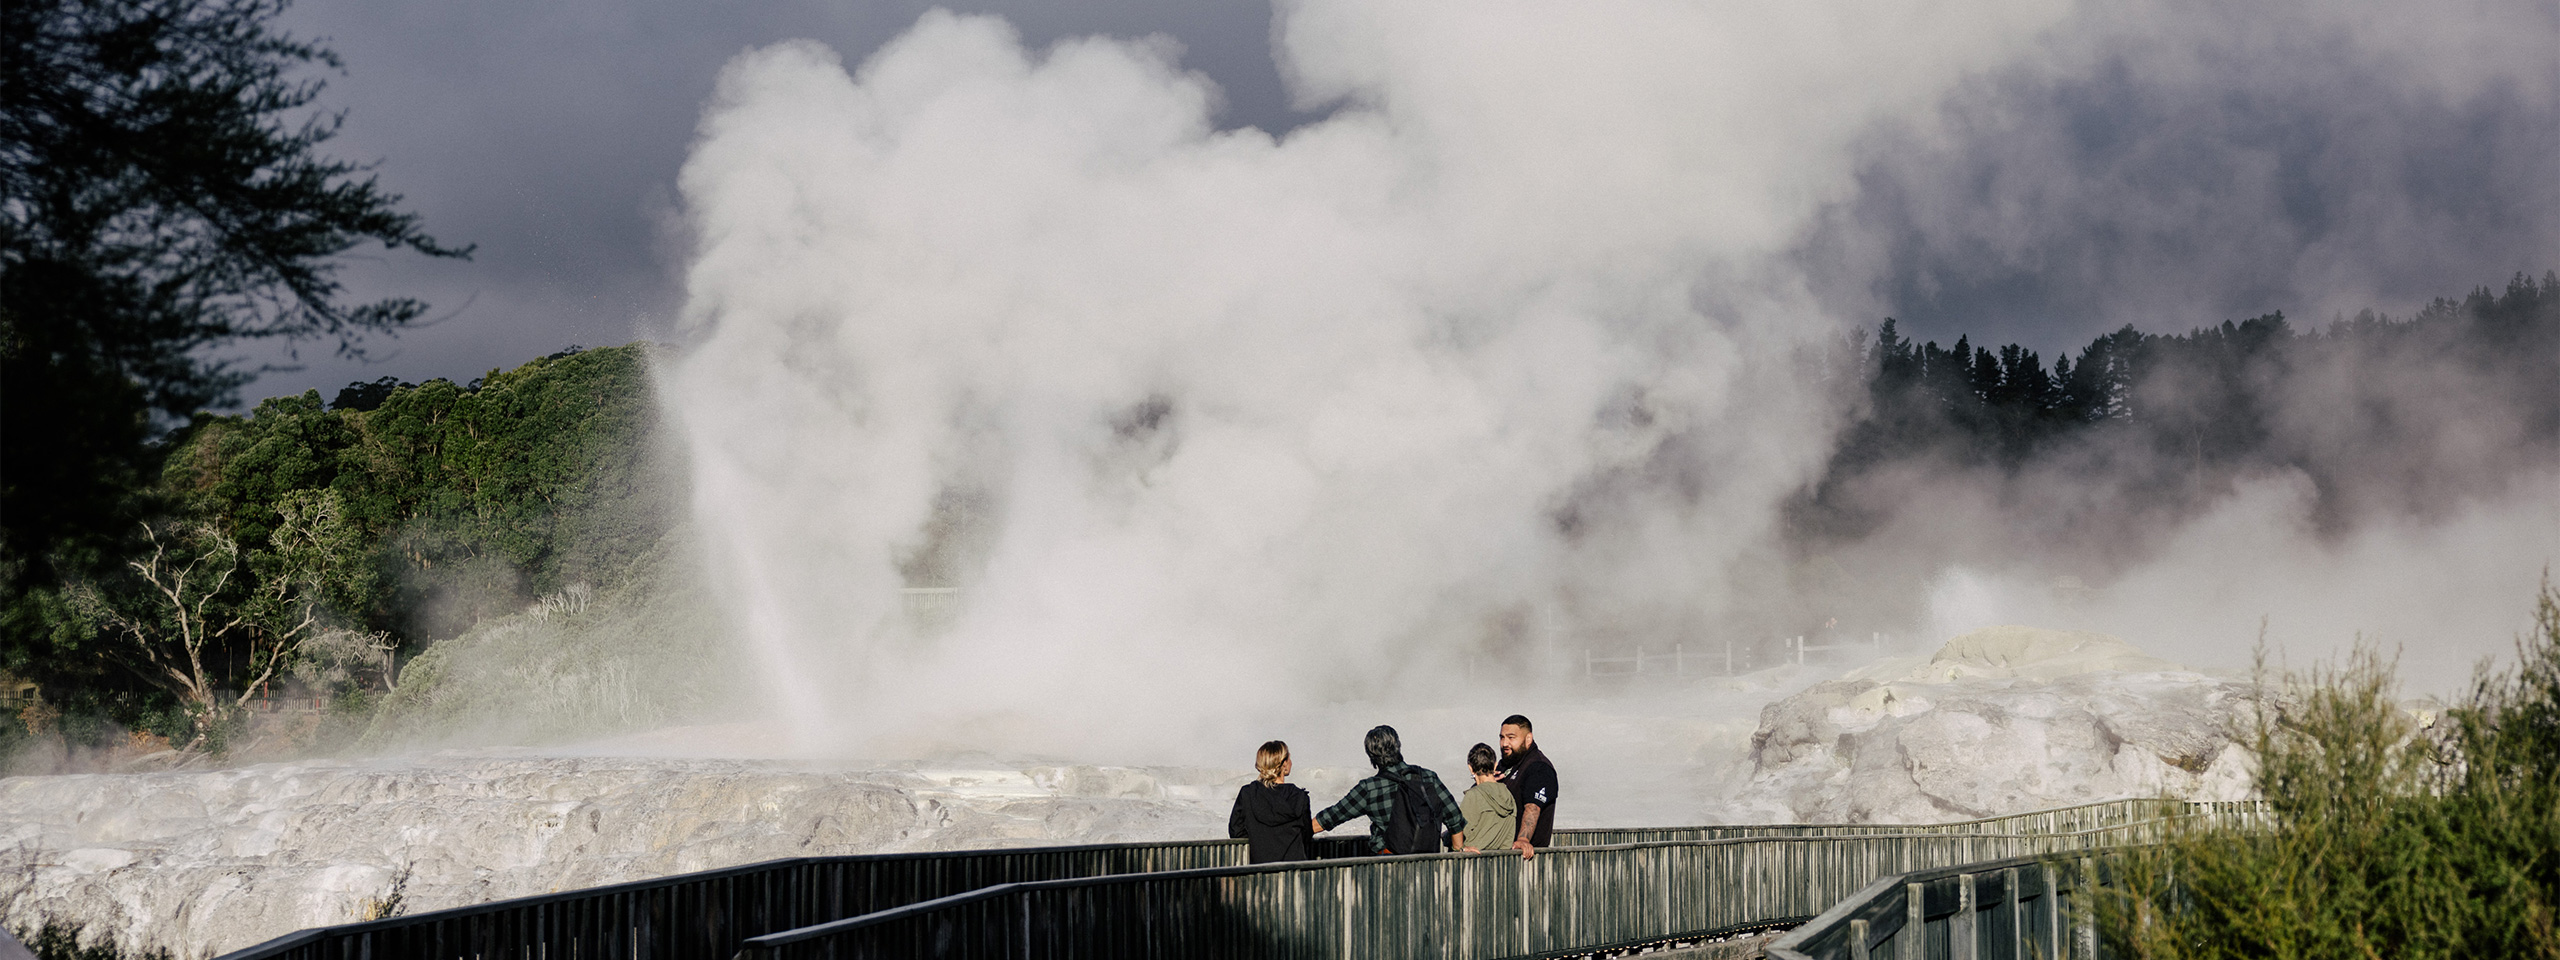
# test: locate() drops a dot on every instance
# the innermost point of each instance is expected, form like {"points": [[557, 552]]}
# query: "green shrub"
{"points": [[55, 940], [2392, 833]]}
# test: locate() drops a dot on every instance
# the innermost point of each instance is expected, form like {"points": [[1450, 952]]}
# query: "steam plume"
{"points": [[1504, 350]]}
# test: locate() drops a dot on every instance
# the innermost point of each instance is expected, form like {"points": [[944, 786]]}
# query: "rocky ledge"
{"points": [[2000, 721], [202, 863]]}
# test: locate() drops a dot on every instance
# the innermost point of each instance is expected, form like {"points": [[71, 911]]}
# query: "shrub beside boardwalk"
{"points": [[2391, 833]]}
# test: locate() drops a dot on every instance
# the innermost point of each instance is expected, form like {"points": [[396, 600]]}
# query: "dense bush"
{"points": [[445, 505], [476, 498], [2393, 833]]}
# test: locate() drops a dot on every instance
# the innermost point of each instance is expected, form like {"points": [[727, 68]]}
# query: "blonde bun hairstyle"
{"points": [[1267, 761]]}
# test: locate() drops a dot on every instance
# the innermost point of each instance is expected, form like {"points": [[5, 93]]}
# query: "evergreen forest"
{"points": [[2340, 402], [1989, 455]]}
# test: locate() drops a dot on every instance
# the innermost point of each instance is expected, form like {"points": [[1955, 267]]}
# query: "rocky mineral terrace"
{"points": [[205, 862], [2001, 721]]}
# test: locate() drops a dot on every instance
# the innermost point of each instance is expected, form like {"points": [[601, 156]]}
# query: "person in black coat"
{"points": [[1274, 817]]}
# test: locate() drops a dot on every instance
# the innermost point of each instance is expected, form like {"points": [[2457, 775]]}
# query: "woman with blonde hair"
{"points": [[1271, 815]]}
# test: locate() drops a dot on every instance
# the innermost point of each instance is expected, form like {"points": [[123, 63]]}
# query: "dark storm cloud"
{"points": [[2225, 162], [550, 134], [2165, 165]]}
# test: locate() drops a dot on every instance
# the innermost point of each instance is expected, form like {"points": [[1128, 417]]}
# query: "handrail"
{"points": [[710, 913], [2071, 819]]}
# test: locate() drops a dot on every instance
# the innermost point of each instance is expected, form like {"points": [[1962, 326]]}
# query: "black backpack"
{"points": [[1414, 824]]}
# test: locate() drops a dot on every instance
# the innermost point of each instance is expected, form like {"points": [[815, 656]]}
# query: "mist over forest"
{"points": [[530, 523], [2087, 465], [1477, 360]]}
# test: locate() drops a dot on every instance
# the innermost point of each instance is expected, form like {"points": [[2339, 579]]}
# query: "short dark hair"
{"points": [[1480, 758], [1516, 720], [1383, 745]]}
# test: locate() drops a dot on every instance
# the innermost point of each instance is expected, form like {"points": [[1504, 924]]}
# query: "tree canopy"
{"points": [[387, 528], [2382, 415], [165, 196]]}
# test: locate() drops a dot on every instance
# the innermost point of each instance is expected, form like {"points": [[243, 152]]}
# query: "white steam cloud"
{"points": [[1205, 422]]}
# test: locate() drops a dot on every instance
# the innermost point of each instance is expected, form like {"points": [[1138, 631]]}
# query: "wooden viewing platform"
{"points": [[1595, 889]]}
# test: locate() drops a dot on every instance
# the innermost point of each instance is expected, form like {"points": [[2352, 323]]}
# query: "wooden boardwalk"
{"points": [[1595, 888]]}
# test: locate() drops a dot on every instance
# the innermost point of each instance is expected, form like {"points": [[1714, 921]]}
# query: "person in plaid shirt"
{"points": [[1375, 797]]}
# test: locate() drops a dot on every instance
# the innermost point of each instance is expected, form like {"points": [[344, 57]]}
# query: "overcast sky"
{"points": [[550, 135], [2311, 171]]}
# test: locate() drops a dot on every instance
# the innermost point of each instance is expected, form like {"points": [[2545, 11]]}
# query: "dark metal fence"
{"points": [[706, 914], [712, 913]]}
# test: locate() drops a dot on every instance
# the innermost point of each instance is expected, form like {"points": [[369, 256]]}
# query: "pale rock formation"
{"points": [[2001, 721], [201, 863]]}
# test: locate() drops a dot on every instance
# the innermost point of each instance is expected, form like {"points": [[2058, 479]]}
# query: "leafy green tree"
{"points": [[197, 604], [166, 195], [175, 621], [469, 501], [543, 476]]}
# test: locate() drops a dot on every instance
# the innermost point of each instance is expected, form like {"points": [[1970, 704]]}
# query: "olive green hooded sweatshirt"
{"points": [[1493, 816]]}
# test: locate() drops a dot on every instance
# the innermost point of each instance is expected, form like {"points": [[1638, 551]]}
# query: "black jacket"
{"points": [[1275, 820], [1533, 780]]}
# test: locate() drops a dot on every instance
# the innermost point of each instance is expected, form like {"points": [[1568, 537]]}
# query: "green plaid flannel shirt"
{"points": [[1375, 798]]}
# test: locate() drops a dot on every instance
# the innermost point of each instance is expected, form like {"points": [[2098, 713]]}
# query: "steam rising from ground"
{"points": [[1212, 428], [2441, 592]]}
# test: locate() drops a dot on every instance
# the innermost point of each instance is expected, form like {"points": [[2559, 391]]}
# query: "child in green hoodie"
{"points": [[1493, 815]]}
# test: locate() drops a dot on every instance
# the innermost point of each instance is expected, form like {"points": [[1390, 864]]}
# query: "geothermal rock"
{"points": [[2001, 721], [207, 862]]}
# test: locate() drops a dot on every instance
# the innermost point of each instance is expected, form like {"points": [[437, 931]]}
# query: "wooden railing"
{"points": [[2022, 908], [2014, 909], [1439, 906], [1695, 878]]}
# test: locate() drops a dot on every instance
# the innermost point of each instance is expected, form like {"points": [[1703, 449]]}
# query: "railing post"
{"points": [[2017, 933], [1858, 940], [1912, 939], [2054, 917], [1963, 935], [2084, 927]]}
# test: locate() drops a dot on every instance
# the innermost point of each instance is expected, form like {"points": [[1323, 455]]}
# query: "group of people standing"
{"points": [[1511, 806]]}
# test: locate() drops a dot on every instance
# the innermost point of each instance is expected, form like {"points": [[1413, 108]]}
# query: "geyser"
{"points": [[1501, 347], [1512, 349]]}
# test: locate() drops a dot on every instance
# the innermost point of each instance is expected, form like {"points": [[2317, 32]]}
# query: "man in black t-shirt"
{"points": [[1532, 781]]}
